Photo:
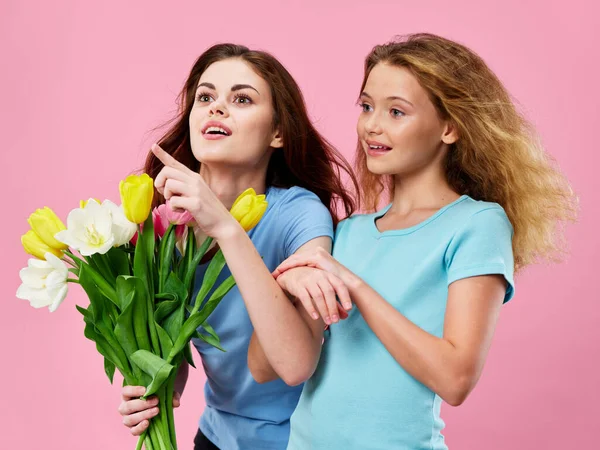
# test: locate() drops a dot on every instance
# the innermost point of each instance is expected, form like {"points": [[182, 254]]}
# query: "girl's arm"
{"points": [[451, 365]]}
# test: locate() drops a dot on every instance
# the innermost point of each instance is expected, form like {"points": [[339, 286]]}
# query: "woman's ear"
{"points": [[277, 141]]}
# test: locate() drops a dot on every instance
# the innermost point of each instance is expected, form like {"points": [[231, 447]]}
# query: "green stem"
{"points": [[169, 406], [141, 440], [156, 434], [164, 419], [73, 257], [152, 325], [104, 267], [193, 264], [73, 280], [165, 254], [148, 442]]}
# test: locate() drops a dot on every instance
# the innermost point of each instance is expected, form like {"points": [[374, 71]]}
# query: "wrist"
{"points": [[351, 280], [228, 231]]}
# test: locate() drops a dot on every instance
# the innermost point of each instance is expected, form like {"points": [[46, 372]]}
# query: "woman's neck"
{"points": [[228, 183]]}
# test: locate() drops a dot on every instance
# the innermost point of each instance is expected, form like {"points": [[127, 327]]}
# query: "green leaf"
{"points": [[155, 366], [210, 330], [210, 277], [165, 254], [140, 261], [176, 287], [166, 344], [104, 347], [211, 341], [140, 314], [94, 284], [212, 338], [173, 322], [125, 330], [187, 353], [218, 295], [164, 309], [198, 318], [119, 260], [109, 369], [191, 267], [190, 252], [101, 309]]}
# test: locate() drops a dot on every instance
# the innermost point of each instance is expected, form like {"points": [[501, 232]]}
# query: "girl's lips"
{"points": [[377, 152], [375, 148]]}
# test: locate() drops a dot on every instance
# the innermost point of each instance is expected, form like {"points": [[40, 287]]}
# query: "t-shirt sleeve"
{"points": [[303, 218], [483, 246]]}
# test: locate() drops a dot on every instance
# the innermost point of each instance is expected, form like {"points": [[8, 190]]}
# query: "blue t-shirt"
{"points": [[240, 413], [360, 397]]}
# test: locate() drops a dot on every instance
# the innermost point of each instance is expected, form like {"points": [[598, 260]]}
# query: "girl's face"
{"points": [[231, 122], [399, 128]]}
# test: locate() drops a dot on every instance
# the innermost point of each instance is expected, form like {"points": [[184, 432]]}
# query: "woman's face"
{"points": [[399, 128], [231, 122]]}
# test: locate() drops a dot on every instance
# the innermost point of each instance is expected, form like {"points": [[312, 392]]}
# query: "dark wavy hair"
{"points": [[306, 159]]}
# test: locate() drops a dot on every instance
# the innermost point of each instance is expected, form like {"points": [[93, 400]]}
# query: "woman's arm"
{"points": [[289, 343], [451, 365]]}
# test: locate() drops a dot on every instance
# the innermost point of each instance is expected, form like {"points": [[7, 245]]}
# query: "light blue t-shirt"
{"points": [[241, 414], [359, 397]]}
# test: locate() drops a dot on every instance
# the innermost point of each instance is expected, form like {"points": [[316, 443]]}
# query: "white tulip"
{"points": [[122, 229], [44, 282], [89, 229]]}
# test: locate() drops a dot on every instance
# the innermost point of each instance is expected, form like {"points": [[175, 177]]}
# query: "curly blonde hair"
{"points": [[498, 156]]}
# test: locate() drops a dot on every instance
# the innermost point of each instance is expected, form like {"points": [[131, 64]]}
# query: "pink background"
{"points": [[81, 87]]}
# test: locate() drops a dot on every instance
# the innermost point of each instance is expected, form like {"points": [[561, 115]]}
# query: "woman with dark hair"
{"points": [[243, 124]]}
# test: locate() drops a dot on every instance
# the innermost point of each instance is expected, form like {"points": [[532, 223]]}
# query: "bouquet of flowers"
{"points": [[137, 268]]}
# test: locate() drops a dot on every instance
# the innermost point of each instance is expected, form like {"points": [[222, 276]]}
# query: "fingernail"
{"points": [[335, 318], [347, 305], [327, 320], [315, 316], [154, 410]]}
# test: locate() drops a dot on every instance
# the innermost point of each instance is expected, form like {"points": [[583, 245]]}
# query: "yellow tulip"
{"points": [[46, 224], [34, 245], [249, 208], [82, 203], [136, 195]]}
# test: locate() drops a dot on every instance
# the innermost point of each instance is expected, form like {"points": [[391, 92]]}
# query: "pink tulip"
{"points": [[177, 217], [163, 216], [160, 221]]}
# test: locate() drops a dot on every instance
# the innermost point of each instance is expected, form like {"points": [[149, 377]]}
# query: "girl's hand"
{"points": [[318, 258], [316, 289], [186, 189]]}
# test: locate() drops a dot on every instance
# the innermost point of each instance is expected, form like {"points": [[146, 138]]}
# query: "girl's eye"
{"points": [[366, 107], [396, 112]]}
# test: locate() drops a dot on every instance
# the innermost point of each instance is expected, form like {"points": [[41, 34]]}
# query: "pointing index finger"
{"points": [[167, 159]]}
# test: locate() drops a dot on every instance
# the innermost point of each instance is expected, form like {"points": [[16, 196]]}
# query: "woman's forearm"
{"points": [[287, 340]]}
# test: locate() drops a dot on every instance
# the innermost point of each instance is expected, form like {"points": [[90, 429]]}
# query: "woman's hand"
{"points": [[136, 412], [186, 189]]}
